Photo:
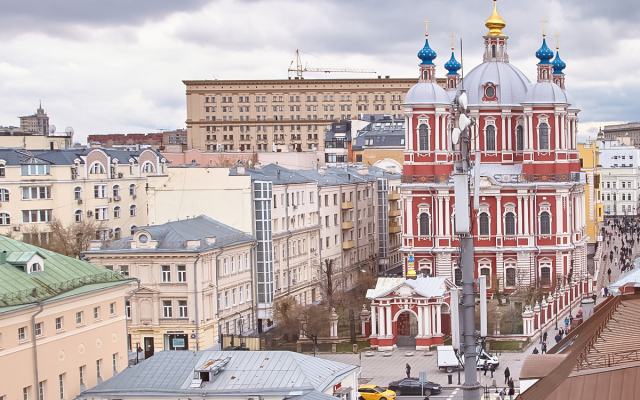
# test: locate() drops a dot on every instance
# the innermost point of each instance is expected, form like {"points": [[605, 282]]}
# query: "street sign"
{"points": [[422, 380]]}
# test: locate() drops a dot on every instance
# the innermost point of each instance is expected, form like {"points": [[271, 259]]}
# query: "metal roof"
{"points": [[13, 156], [246, 373], [424, 286]]}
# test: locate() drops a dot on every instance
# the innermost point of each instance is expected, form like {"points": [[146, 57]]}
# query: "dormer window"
{"points": [[490, 91], [2, 171], [143, 238], [97, 168], [35, 267]]}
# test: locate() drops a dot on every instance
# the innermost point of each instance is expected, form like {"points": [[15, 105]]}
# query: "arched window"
{"points": [[544, 136], [77, 193], [148, 167], [132, 189], [4, 194], [457, 274], [78, 215], [117, 233], [424, 224], [484, 224], [493, 50], [451, 84], [132, 210], [491, 138], [5, 219], [520, 138], [545, 223], [133, 229], [510, 277], [545, 276], [486, 272], [116, 212], [116, 190], [97, 168], [423, 136], [509, 224]]}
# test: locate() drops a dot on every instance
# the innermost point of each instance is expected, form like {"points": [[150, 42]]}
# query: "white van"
{"points": [[448, 361]]}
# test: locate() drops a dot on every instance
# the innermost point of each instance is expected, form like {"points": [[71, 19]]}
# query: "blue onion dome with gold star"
{"points": [[544, 54], [452, 65], [427, 55], [558, 64]]}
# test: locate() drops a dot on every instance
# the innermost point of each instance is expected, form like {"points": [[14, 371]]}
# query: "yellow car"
{"points": [[373, 392]]}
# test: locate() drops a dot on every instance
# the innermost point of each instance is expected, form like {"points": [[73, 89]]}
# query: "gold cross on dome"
{"points": [[557, 41], [544, 21], [452, 37], [426, 27]]}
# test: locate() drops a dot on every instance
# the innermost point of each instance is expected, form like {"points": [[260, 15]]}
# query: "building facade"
{"points": [[62, 323], [293, 114], [38, 122], [590, 165], [530, 227], [195, 283], [630, 132], [620, 180], [381, 143]]}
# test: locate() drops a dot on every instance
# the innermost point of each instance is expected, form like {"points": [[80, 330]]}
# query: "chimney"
{"points": [[257, 166], [211, 240], [240, 170], [391, 169], [363, 171], [278, 174], [3, 257]]}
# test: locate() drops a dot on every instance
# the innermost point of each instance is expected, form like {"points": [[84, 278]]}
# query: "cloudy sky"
{"points": [[117, 66]]}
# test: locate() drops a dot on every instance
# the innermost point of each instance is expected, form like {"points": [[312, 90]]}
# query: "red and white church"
{"points": [[530, 228]]}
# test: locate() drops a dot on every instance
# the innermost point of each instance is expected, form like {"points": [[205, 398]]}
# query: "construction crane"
{"points": [[299, 70]]}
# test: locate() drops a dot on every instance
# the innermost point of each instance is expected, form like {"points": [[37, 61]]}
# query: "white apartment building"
{"points": [[620, 180]]}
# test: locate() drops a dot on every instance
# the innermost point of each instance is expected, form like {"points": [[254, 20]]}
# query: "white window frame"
{"points": [[167, 309], [182, 309], [182, 273], [166, 273]]}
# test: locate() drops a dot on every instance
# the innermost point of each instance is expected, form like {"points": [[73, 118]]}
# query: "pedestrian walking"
{"points": [[544, 337], [492, 368], [609, 274], [484, 368], [503, 393], [535, 350], [408, 370], [507, 374], [544, 347], [512, 391], [557, 338], [566, 322]]}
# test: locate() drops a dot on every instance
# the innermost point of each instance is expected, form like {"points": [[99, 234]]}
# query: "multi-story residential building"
{"points": [[620, 180], [62, 323], [628, 132], [590, 165], [113, 140], [258, 115], [176, 137], [381, 143], [16, 138], [195, 282], [38, 122], [75, 185]]}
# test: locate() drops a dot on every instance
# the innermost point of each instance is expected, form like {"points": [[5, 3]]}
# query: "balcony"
{"points": [[347, 205], [393, 228], [347, 225], [348, 245], [394, 196], [395, 213]]}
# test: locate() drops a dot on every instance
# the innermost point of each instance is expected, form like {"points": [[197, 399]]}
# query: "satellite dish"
{"points": [[463, 122], [463, 100], [52, 129], [69, 130], [455, 135]]}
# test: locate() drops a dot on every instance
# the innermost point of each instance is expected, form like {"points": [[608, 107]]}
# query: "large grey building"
{"points": [[629, 131]]}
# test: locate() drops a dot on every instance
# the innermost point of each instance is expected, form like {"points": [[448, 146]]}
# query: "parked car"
{"points": [[413, 386], [448, 360], [373, 392]]}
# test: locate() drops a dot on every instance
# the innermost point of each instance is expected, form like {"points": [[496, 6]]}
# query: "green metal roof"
{"points": [[61, 274]]}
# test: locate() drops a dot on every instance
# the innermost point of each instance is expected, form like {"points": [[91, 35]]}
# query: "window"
{"points": [[97, 168], [79, 317], [36, 216], [511, 277], [81, 373], [424, 224], [5, 219], [509, 224], [520, 138], [98, 365], [166, 274], [486, 272], [133, 210], [233, 264], [545, 276], [77, 215], [116, 212], [102, 213], [41, 390], [112, 309], [248, 293], [545, 223], [182, 274], [25, 393], [233, 297], [133, 229], [96, 313], [543, 131], [225, 266], [2, 171], [127, 309], [61, 385], [100, 191], [241, 300], [166, 309], [148, 167], [34, 193], [484, 224], [423, 136], [33, 169], [38, 329], [132, 189], [490, 91], [226, 299], [491, 138], [182, 309], [22, 334], [59, 324]]}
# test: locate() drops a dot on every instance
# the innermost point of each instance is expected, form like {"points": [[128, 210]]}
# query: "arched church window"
{"points": [[545, 223], [510, 224], [484, 224], [424, 224], [423, 136], [511, 277], [491, 138], [451, 84], [490, 92], [520, 138], [543, 132]]}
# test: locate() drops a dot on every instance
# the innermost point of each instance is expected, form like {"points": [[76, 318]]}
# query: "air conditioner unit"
{"points": [[120, 174], [16, 228], [134, 196], [116, 198], [89, 213], [79, 201], [110, 199]]}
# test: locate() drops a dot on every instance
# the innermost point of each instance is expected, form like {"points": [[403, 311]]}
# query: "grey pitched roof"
{"points": [[246, 373], [275, 173], [63, 156], [173, 236], [347, 174]]}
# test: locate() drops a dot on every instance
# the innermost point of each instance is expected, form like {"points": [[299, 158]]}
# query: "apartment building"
{"points": [[38, 122], [62, 323], [380, 143], [620, 180], [262, 115], [590, 165], [195, 282], [75, 185]]}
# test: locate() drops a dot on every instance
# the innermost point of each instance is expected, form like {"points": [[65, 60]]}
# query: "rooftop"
{"points": [[64, 156]]}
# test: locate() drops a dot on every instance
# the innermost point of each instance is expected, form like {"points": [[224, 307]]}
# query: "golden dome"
{"points": [[495, 23]]}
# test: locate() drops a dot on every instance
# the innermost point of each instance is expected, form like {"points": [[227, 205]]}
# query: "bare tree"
{"points": [[70, 240], [328, 282], [231, 161], [311, 321]]}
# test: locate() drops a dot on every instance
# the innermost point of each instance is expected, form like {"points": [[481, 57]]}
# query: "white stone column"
{"points": [[510, 146], [532, 132], [427, 320], [447, 214], [440, 216], [420, 321], [563, 133], [374, 330], [520, 219], [526, 214], [434, 327], [557, 132], [410, 220], [381, 311], [558, 215], [499, 215], [444, 132], [409, 125], [503, 145], [438, 326], [388, 315], [436, 122]]}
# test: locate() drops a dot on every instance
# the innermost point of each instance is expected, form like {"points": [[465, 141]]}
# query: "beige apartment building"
{"points": [[263, 115], [74, 186], [195, 283], [62, 323]]}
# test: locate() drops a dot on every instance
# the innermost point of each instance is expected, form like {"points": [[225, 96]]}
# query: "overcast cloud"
{"points": [[117, 66]]}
